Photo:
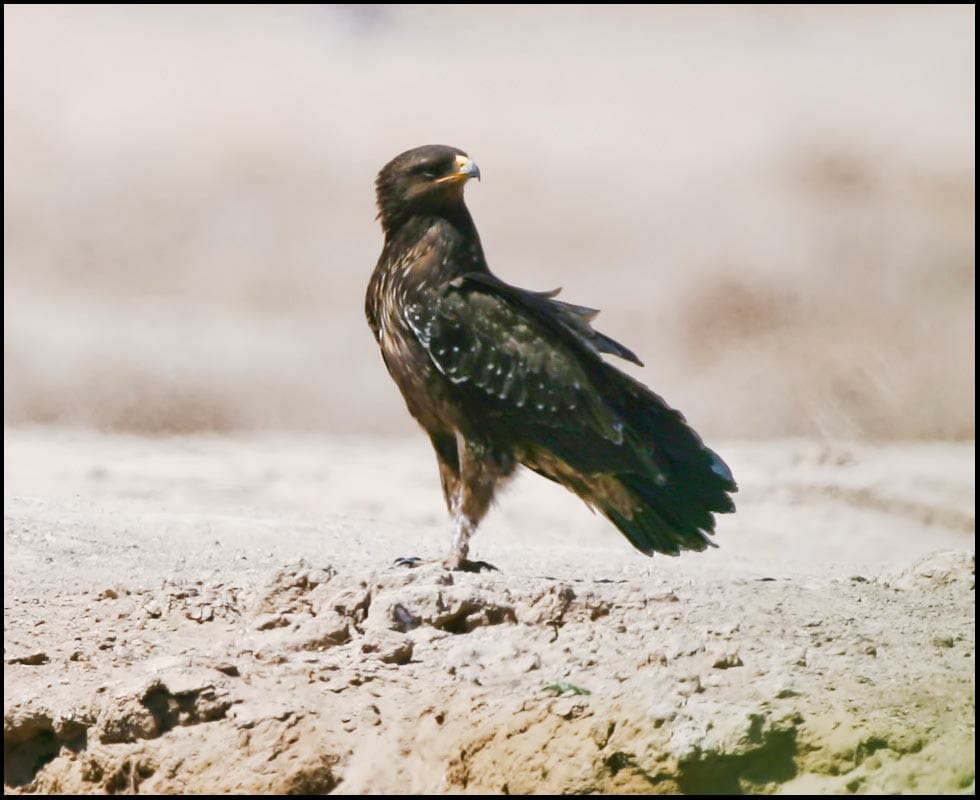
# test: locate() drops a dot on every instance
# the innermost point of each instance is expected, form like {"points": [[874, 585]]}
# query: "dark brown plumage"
{"points": [[499, 377]]}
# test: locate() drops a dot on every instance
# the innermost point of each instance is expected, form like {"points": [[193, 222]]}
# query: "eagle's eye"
{"points": [[427, 171]]}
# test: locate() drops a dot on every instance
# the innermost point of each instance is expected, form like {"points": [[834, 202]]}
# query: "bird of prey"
{"points": [[499, 377]]}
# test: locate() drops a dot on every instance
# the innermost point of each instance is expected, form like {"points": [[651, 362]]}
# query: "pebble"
{"points": [[34, 659], [397, 652], [727, 661]]}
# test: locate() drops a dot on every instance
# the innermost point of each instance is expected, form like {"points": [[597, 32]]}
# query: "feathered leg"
{"points": [[480, 471], [469, 474]]}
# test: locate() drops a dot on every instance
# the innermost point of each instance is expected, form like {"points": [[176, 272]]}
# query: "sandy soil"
{"points": [[218, 614]]}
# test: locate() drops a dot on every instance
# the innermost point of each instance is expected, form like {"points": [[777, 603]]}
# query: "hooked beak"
{"points": [[466, 168]]}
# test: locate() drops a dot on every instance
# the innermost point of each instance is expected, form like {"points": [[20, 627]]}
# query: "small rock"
{"points": [[128, 719], [397, 652], [350, 602], [266, 622], [569, 707], [727, 661], [371, 715], [30, 659], [248, 714], [271, 654], [201, 614], [153, 609], [182, 680], [934, 571], [321, 633], [943, 641], [661, 714], [528, 663], [320, 575]]}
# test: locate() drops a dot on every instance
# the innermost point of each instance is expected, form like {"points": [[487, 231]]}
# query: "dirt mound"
{"points": [[214, 614], [320, 679]]}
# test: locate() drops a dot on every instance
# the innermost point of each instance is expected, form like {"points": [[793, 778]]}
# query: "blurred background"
{"points": [[773, 206]]}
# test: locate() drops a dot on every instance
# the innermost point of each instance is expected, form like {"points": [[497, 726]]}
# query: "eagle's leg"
{"points": [[463, 529], [469, 473], [480, 471], [448, 458]]}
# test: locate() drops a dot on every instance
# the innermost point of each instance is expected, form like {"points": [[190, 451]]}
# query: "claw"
{"points": [[454, 564], [465, 565]]}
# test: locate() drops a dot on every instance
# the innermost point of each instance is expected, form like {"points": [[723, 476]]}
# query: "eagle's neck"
{"points": [[421, 256], [443, 246]]}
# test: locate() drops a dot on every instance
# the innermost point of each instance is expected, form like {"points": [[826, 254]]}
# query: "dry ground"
{"points": [[208, 614]]}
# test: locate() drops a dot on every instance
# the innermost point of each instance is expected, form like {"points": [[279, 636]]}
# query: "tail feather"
{"points": [[657, 482], [661, 521], [674, 503], [649, 533]]}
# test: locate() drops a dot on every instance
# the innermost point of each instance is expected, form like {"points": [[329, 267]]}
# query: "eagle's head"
{"points": [[424, 180]]}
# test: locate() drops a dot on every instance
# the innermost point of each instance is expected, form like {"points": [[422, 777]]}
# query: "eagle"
{"points": [[501, 377]]}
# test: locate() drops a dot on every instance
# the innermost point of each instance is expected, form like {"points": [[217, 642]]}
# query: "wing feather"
{"points": [[572, 319], [501, 352], [526, 370]]}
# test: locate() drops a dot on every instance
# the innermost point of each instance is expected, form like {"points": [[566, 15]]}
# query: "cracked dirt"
{"points": [[207, 615]]}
